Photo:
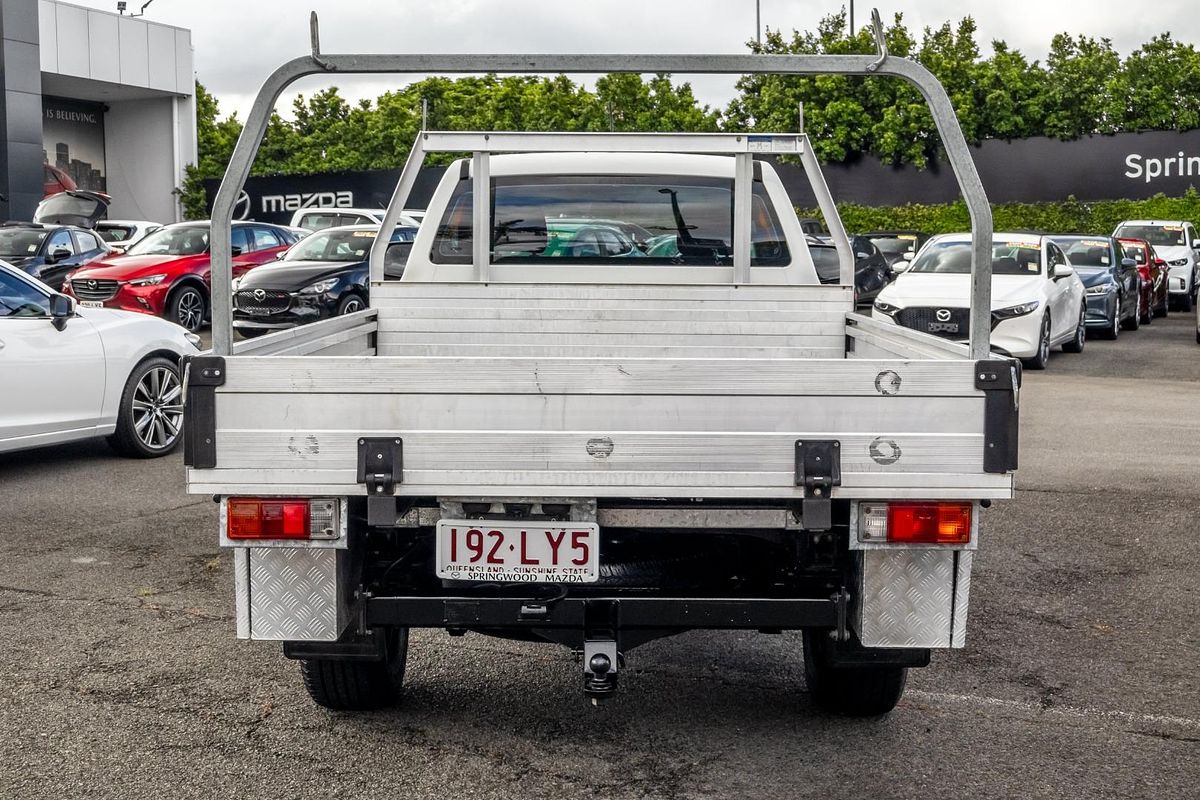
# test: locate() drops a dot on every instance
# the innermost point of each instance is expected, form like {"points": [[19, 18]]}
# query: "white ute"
{"points": [[608, 405]]}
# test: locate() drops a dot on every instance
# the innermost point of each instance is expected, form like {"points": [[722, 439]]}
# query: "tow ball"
{"points": [[600, 662]]}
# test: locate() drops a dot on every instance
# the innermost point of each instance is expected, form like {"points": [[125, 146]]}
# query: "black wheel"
{"points": [[1080, 339], [1114, 325], [187, 306], [860, 691], [359, 685], [1185, 302], [1164, 307], [1146, 309], [150, 417], [350, 303], [1042, 357]]}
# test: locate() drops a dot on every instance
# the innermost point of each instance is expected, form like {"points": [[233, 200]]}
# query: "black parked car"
{"points": [[898, 245], [1111, 280], [324, 275], [871, 270], [49, 252]]}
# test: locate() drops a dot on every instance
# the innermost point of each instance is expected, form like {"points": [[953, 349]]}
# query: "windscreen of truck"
{"points": [[592, 219], [1015, 257]]}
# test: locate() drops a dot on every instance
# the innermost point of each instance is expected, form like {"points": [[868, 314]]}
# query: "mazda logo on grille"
{"points": [[91, 284], [943, 315], [260, 295]]}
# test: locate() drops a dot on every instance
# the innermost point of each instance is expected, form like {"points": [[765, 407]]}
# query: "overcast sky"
{"points": [[238, 42]]}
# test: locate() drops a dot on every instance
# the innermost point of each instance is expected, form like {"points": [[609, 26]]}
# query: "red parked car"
{"points": [[1155, 299], [167, 273]]}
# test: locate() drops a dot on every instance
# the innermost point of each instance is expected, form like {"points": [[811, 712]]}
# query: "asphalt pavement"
{"points": [[121, 676]]}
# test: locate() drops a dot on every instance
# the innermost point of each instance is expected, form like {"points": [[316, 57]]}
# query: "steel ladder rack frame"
{"points": [[739, 145], [957, 151]]}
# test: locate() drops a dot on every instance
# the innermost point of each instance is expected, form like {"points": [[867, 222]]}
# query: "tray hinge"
{"points": [[1000, 382], [380, 468], [818, 470], [201, 377]]}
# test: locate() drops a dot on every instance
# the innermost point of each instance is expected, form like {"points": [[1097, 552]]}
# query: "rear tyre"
{"points": [[358, 685], [150, 417], [252, 333], [1042, 356], [187, 306], [1080, 339], [866, 691]]}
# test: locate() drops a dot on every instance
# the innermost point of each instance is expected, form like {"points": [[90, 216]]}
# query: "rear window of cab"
{"points": [[591, 219]]}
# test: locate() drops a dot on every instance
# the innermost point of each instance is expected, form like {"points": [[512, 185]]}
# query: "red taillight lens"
{"points": [[254, 518], [929, 523]]}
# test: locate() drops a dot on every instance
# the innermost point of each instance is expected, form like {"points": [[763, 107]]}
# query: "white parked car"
{"points": [[121, 233], [1175, 242], [1038, 301], [75, 373], [317, 219]]}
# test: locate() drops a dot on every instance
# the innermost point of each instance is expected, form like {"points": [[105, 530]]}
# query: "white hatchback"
{"points": [[74, 373], [1038, 301]]}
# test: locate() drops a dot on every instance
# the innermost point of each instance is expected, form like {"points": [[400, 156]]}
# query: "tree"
{"points": [[1158, 87], [1080, 75]]}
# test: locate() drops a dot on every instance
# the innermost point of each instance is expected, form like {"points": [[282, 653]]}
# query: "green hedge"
{"points": [[1069, 216]]}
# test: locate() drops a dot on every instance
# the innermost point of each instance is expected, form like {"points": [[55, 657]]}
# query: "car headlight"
{"points": [[1101, 288], [320, 287], [149, 280], [234, 284], [1016, 311], [1183, 262], [886, 308], [193, 339]]}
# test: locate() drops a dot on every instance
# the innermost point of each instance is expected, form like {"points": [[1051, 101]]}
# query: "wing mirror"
{"points": [[58, 254], [900, 266], [235, 251], [1128, 263], [62, 308], [1063, 271]]}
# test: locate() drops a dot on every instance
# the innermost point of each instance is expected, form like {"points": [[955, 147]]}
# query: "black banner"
{"points": [[72, 144], [277, 198], [1124, 166]]}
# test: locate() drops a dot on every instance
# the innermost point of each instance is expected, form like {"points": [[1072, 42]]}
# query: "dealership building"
{"points": [[93, 100]]}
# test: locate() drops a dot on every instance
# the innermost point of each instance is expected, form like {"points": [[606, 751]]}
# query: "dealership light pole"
{"points": [[851, 19], [758, 21]]}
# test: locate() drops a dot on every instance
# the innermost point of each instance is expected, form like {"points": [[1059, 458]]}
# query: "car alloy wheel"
{"points": [[1115, 331], [158, 408], [1044, 344], [351, 305], [190, 309]]}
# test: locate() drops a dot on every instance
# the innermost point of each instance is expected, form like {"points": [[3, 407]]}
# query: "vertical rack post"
{"points": [[481, 215], [743, 178]]}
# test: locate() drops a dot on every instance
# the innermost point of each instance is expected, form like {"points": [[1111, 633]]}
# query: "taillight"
{"points": [[915, 523], [271, 518]]}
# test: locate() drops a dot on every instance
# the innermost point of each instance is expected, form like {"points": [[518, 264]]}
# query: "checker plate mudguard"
{"points": [[293, 594], [913, 598]]}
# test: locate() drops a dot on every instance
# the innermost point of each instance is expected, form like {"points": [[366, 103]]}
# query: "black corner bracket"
{"points": [[1000, 382], [380, 468], [201, 377], [818, 470]]}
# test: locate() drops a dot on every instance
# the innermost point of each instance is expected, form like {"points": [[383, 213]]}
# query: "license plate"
{"points": [[943, 327], [91, 303], [518, 552]]}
